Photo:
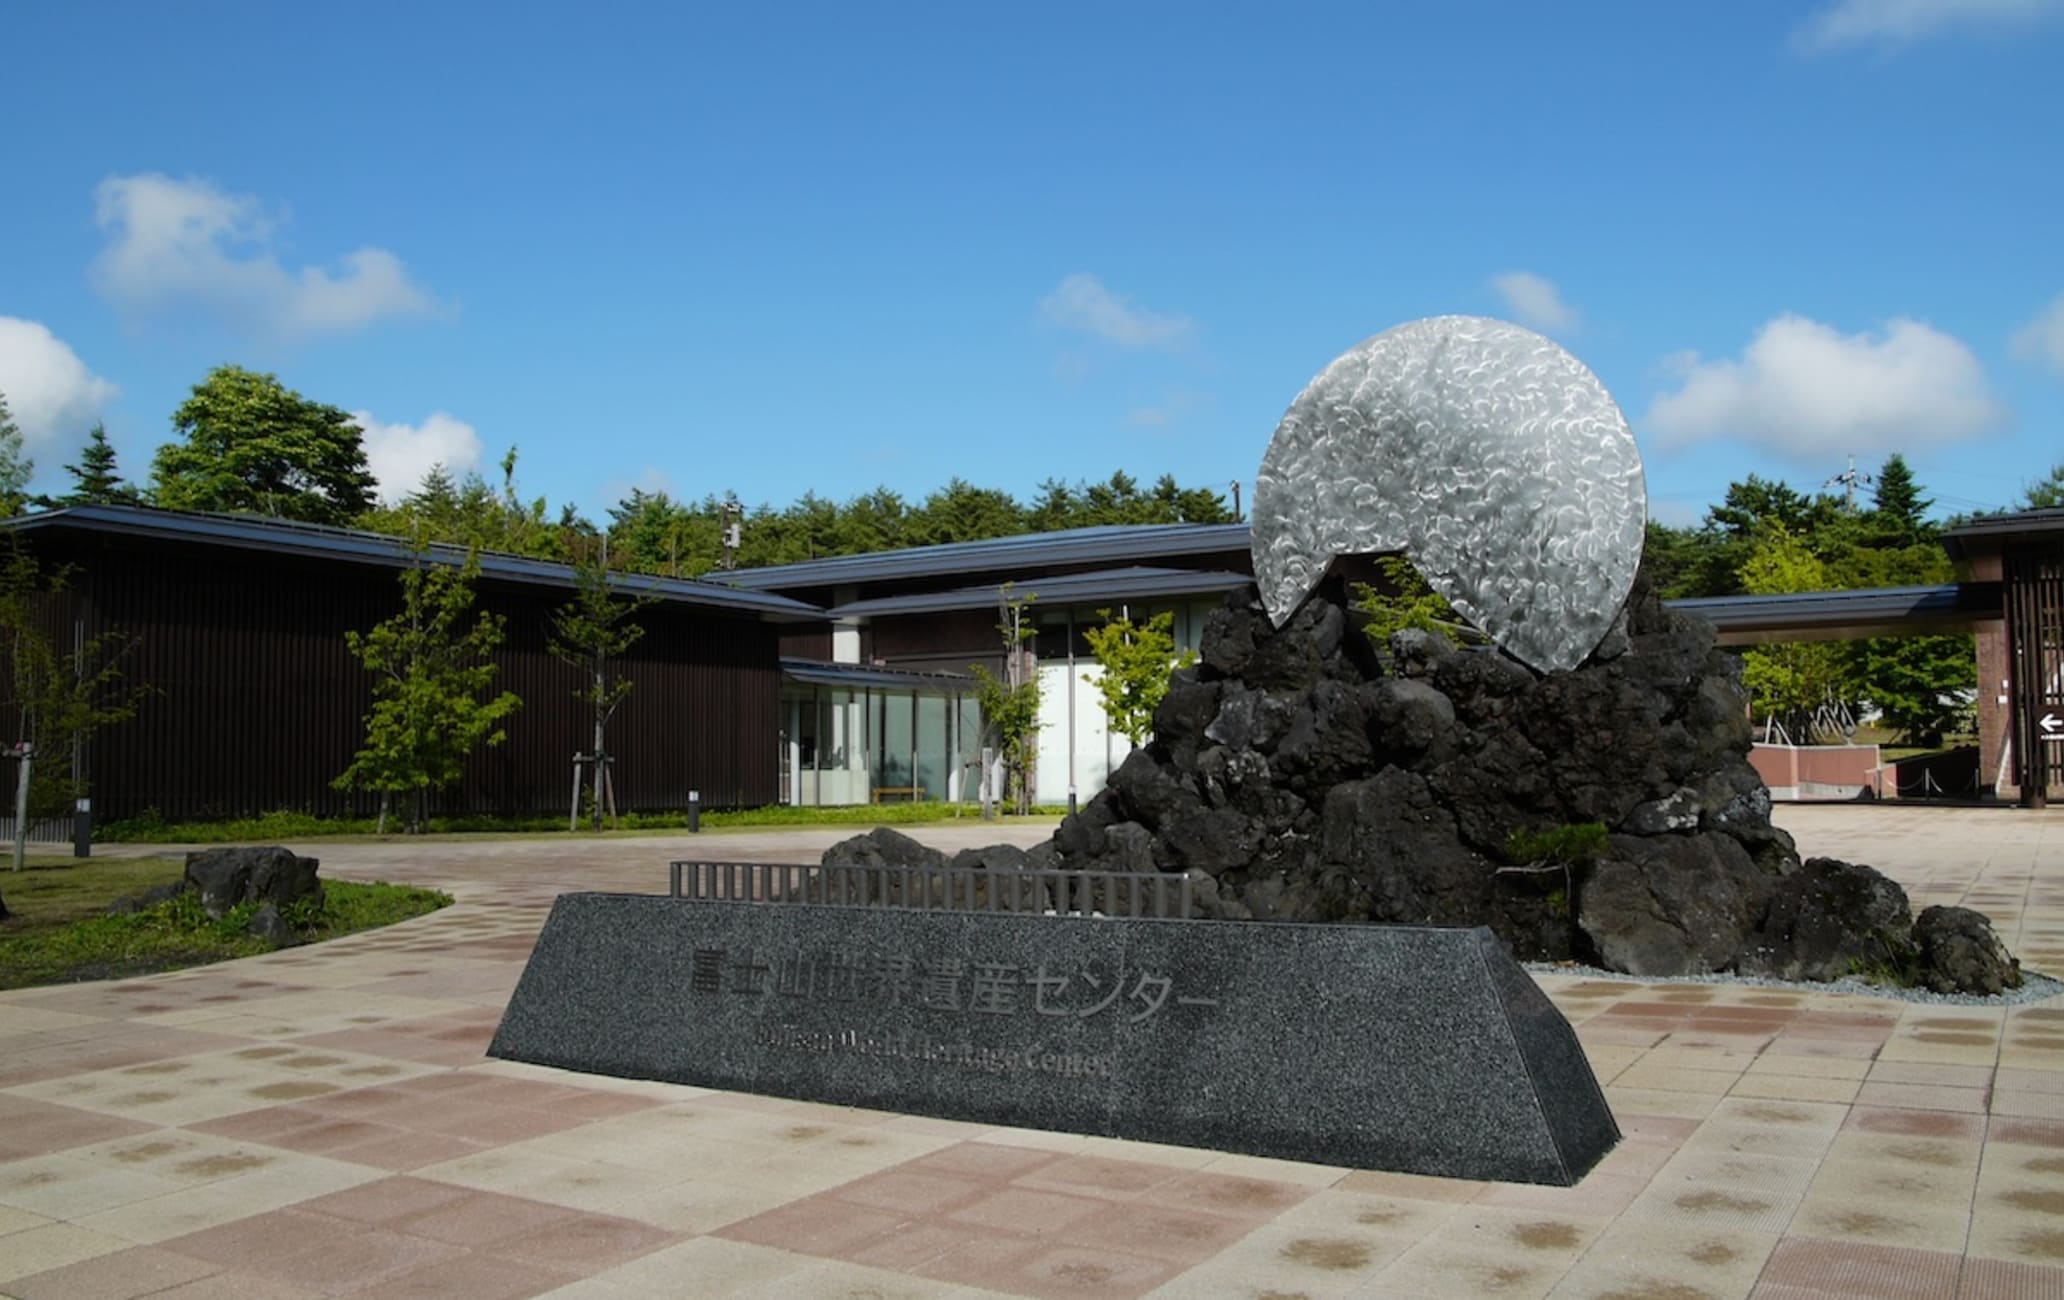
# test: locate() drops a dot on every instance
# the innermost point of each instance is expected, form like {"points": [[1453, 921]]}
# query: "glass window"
{"points": [[933, 745]]}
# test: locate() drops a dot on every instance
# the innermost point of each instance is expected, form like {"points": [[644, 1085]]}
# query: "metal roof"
{"points": [[1136, 583], [1109, 543], [356, 546], [816, 672], [1990, 532], [1841, 615]]}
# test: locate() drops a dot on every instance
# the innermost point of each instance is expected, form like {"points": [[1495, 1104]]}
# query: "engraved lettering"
{"points": [[994, 989], [1149, 993], [940, 987], [843, 977], [1044, 984], [892, 978], [706, 971], [794, 977], [749, 976]]}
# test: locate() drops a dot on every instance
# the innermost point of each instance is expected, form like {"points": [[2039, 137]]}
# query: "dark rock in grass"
{"points": [[1959, 953], [269, 925], [227, 878], [1829, 919], [151, 897]]}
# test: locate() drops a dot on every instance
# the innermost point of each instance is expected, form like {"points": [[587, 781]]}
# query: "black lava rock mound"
{"points": [[1304, 774]]}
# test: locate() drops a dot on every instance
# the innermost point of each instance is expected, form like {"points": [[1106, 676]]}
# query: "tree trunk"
{"points": [[600, 686], [380, 827]]}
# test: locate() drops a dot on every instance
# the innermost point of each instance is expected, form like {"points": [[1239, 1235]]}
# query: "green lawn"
{"points": [[60, 930], [281, 826]]}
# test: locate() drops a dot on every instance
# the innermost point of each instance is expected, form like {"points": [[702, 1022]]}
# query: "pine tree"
{"points": [[15, 468], [94, 479], [1900, 512]]}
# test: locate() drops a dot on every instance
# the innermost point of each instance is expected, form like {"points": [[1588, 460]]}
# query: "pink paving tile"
{"points": [[910, 1192], [984, 1160], [588, 1243], [974, 1260], [236, 1286], [248, 1243], [481, 1218], [264, 1124], [907, 1248], [1852, 1269], [404, 1151], [1998, 1279], [474, 1277], [1908, 1122], [385, 1200], [2027, 1132], [33, 1128], [122, 1275], [330, 1135], [1096, 1176], [1176, 1236], [817, 1225], [365, 1256], [1022, 1210]]}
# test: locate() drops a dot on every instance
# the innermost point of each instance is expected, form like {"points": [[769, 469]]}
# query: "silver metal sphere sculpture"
{"points": [[1487, 455]]}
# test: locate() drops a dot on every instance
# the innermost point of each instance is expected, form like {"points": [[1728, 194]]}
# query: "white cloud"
{"points": [[1898, 22], [53, 396], [1081, 302], [2042, 339], [401, 454], [174, 244], [1534, 300], [1806, 389]]}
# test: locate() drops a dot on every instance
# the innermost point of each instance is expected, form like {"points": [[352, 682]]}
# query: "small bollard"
{"points": [[694, 812], [82, 829]]}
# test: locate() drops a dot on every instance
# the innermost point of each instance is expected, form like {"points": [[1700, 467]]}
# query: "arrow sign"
{"points": [[2051, 724]]}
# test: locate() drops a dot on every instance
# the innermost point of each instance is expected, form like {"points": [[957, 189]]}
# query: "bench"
{"points": [[913, 793]]}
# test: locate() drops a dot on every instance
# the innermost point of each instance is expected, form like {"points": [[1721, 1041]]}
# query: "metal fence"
{"points": [[950, 889], [42, 830]]}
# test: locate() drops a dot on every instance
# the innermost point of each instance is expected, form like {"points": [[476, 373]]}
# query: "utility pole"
{"points": [[1849, 478], [1236, 501], [734, 532]]}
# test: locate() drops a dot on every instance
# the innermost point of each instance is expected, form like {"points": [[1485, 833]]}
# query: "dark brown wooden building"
{"points": [[258, 704]]}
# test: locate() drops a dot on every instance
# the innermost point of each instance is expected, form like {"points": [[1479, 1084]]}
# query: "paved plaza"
{"points": [[322, 1122]]}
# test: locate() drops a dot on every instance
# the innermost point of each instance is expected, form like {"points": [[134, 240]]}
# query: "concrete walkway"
{"points": [[322, 1122]]}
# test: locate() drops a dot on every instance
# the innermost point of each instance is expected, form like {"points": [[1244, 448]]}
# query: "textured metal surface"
{"points": [[1486, 454]]}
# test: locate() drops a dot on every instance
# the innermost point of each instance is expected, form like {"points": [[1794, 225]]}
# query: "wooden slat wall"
{"points": [[2034, 598], [260, 703]]}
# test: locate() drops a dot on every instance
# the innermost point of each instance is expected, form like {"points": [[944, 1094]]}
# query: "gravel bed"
{"points": [[2034, 987]]}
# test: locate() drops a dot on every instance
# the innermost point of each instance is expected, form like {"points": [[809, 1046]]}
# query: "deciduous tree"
{"points": [[1137, 659], [431, 672], [1010, 703], [252, 444], [593, 632]]}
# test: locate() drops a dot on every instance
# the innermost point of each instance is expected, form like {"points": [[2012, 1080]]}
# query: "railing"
{"points": [[951, 889]]}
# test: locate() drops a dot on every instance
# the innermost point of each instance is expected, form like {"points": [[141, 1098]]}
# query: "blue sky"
{"points": [[773, 249]]}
